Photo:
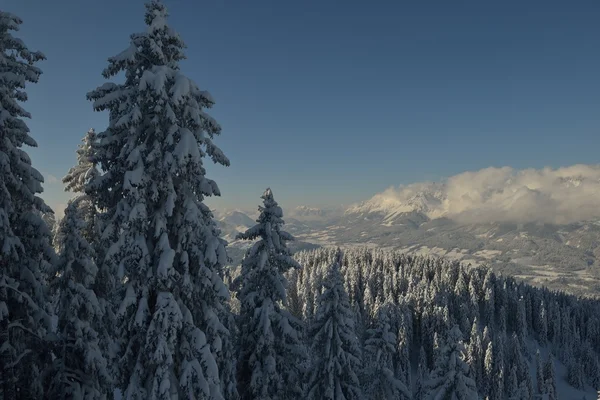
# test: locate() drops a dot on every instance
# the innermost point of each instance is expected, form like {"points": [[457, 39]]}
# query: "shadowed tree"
{"points": [[25, 245], [271, 350], [163, 249]]}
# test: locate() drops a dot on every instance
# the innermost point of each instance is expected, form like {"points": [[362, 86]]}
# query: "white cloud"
{"points": [[548, 195], [51, 179]]}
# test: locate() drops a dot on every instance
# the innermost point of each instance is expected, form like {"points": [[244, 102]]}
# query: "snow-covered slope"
{"points": [[233, 222], [563, 257], [306, 213]]}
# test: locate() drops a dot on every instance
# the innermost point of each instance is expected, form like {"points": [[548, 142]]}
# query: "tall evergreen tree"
{"points": [[381, 384], [499, 374], [488, 369], [522, 393], [163, 244], [451, 377], [402, 356], [76, 181], [85, 170], [422, 376], [543, 324], [82, 364], [512, 383], [271, 350], [475, 354], [525, 385], [80, 368], [26, 251], [550, 378], [335, 349], [575, 373], [539, 374]]}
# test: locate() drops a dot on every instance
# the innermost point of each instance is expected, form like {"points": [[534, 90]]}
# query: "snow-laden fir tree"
{"points": [[522, 393], [543, 324], [550, 378], [422, 376], [511, 382], [271, 349], [82, 363], [380, 347], [515, 355], [488, 370], [575, 373], [76, 181], [25, 245], [475, 354], [50, 220], [451, 378], [85, 170], [539, 374], [499, 374], [80, 369], [164, 246], [335, 349], [402, 352]]}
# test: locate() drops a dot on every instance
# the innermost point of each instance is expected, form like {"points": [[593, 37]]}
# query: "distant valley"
{"points": [[560, 256]]}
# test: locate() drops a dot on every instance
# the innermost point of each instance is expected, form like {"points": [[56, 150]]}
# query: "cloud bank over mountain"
{"points": [[560, 196]]}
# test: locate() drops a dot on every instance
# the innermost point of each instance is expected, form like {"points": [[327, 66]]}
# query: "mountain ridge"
{"points": [[559, 256]]}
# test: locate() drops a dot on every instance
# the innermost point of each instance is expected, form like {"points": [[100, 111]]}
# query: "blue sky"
{"points": [[330, 102]]}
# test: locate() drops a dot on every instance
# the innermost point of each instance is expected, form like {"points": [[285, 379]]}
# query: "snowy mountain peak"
{"points": [[558, 196], [305, 211], [237, 218], [427, 199]]}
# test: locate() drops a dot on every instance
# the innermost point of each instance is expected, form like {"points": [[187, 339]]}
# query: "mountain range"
{"points": [[562, 256]]}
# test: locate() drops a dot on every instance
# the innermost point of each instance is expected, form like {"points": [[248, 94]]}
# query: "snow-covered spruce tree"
{"points": [[499, 374], [511, 382], [402, 353], [80, 368], [26, 251], [85, 170], [539, 374], [335, 349], [380, 382], [475, 354], [50, 220], [422, 376], [550, 378], [575, 373], [271, 349], [164, 246], [522, 393], [451, 378], [488, 370], [76, 181]]}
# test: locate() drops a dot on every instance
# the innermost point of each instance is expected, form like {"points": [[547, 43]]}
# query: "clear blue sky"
{"points": [[330, 101]]}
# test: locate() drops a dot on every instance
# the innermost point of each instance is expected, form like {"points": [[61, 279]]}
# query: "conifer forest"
{"points": [[132, 295]]}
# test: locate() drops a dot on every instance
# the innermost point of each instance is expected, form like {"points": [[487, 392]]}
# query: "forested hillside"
{"points": [[421, 303]]}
